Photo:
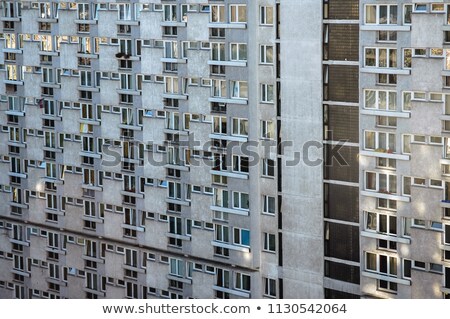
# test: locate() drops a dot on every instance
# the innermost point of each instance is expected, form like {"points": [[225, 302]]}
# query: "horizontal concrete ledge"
{"points": [[136, 269], [241, 25], [14, 82], [130, 127], [229, 210], [171, 24], [136, 228], [94, 259], [14, 204], [80, 21], [385, 70], [341, 286], [20, 273], [13, 19], [181, 279], [340, 103], [88, 88], [232, 291], [19, 242], [15, 113], [340, 21], [132, 194], [87, 55], [174, 96], [177, 236], [233, 138], [228, 63], [229, 174], [128, 92], [49, 20], [404, 115], [445, 204], [178, 167], [127, 22], [378, 27], [93, 219], [171, 60], [90, 122], [12, 50], [20, 175], [385, 237], [228, 101], [336, 62], [89, 154], [94, 292], [178, 202], [174, 131], [386, 196], [386, 278], [401, 157]]}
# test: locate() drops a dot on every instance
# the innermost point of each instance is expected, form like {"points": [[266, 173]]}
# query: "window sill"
{"points": [[380, 27]]}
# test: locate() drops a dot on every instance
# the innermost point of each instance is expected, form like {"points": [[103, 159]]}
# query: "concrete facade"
{"points": [[404, 221], [185, 211]]}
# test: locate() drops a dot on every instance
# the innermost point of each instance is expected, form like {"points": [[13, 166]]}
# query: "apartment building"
{"points": [[224, 149], [404, 149], [139, 152]]}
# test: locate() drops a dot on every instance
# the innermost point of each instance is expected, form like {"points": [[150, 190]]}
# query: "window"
{"points": [[269, 242], [239, 89], [380, 182], [267, 130], [219, 88], [175, 225], [407, 10], [238, 52], [91, 281], [268, 204], [380, 57], [240, 164], [171, 85], [176, 267], [240, 127], [266, 54], [270, 287], [221, 233], [86, 78], [387, 121], [420, 7], [267, 93], [171, 49], [386, 265], [241, 236], [170, 12], [219, 125], [131, 257], [266, 15], [84, 11], [379, 141], [240, 200], [222, 278], [217, 14], [174, 190], [380, 100], [381, 223], [238, 13], [242, 281], [124, 11], [220, 198], [268, 167], [381, 14]]}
